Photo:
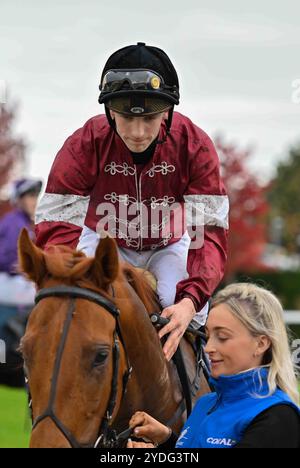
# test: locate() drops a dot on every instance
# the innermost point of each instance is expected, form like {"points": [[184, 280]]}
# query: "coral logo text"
{"points": [[226, 442]]}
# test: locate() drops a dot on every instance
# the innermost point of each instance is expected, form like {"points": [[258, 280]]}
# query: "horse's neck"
{"points": [[142, 343], [151, 385]]}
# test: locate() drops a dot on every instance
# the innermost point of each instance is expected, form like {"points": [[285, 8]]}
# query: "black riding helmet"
{"points": [[139, 80]]}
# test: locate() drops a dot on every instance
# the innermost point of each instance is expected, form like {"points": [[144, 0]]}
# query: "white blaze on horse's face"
{"points": [[138, 132], [231, 347]]}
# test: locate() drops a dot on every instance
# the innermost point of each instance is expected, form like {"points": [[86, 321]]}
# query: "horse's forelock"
{"points": [[63, 262]]}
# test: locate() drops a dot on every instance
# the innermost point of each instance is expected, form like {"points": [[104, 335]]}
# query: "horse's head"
{"points": [[74, 359]]}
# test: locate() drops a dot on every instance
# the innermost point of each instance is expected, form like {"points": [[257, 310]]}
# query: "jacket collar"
{"points": [[248, 383]]}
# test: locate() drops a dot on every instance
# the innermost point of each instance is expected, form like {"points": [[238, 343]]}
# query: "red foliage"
{"points": [[12, 150], [248, 211]]}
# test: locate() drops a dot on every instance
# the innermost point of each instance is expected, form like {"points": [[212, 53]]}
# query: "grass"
{"points": [[14, 418]]}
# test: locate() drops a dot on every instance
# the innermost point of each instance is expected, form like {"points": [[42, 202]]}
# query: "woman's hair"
{"points": [[261, 313]]}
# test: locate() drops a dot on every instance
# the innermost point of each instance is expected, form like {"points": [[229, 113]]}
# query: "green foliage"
{"points": [[284, 197]]}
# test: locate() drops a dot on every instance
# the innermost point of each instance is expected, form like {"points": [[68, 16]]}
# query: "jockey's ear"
{"points": [[31, 258], [105, 267]]}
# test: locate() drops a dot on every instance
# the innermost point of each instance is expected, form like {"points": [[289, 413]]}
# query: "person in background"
{"points": [[15, 291], [256, 400]]}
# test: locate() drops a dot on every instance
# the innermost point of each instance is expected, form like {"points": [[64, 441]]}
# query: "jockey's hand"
{"points": [[180, 316], [148, 429]]}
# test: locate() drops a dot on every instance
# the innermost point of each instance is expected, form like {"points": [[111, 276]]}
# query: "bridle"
{"points": [[107, 437]]}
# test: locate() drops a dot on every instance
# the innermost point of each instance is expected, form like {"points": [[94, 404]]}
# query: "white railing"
{"points": [[292, 317]]}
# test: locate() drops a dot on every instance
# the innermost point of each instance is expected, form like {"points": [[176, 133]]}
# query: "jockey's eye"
{"points": [[100, 357]]}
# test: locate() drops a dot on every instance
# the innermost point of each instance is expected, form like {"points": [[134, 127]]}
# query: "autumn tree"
{"points": [[248, 210], [12, 148]]}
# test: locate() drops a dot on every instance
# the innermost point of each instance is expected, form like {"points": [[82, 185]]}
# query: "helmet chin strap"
{"points": [[168, 125], [112, 123]]}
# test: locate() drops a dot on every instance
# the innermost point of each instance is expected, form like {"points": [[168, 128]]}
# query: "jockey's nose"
{"points": [[138, 128]]}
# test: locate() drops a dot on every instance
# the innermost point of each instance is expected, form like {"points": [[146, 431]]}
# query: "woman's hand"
{"points": [[133, 444], [149, 429]]}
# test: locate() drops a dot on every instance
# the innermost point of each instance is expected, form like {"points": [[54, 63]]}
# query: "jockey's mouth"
{"points": [[138, 142]]}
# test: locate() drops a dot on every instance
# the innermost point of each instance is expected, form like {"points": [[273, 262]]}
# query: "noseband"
{"points": [[106, 436]]}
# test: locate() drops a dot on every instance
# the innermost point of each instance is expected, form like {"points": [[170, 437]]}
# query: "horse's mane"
{"points": [[140, 282]]}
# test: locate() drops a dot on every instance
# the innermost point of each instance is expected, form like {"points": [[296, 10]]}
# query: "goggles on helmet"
{"points": [[135, 80]]}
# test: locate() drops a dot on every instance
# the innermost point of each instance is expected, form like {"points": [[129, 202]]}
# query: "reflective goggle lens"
{"points": [[115, 80]]}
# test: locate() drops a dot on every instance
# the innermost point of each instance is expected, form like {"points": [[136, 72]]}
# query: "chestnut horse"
{"points": [[91, 353]]}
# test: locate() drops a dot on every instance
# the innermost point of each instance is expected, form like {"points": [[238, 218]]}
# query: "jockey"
{"points": [[14, 289], [148, 176]]}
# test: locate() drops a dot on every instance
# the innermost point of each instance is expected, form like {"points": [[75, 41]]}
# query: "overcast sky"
{"points": [[236, 63]]}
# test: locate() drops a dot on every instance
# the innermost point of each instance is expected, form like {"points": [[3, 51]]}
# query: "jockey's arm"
{"points": [[61, 212]]}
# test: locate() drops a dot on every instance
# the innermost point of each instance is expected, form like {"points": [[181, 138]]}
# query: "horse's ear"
{"points": [[106, 262], [31, 258]]}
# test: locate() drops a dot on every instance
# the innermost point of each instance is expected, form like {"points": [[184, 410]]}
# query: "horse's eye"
{"points": [[100, 358]]}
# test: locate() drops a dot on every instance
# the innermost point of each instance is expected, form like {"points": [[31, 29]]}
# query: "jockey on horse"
{"points": [[150, 177]]}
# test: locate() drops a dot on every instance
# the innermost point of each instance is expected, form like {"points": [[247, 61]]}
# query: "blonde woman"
{"points": [[255, 403]]}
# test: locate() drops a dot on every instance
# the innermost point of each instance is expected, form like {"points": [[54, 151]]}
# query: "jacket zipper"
{"points": [[138, 185], [139, 202]]}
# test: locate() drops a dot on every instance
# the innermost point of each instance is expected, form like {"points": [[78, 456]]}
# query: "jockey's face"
{"points": [[231, 347], [138, 132]]}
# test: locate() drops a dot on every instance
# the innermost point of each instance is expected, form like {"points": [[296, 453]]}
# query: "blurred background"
{"points": [[239, 74]]}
